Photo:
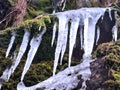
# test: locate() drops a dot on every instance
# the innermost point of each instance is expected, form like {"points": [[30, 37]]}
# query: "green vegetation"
{"points": [[11, 2], [111, 53], [42, 66]]}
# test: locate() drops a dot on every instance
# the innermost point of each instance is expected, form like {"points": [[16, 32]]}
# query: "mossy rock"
{"points": [[111, 52]]}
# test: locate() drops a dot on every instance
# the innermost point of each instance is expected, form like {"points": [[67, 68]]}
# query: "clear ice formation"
{"points": [[85, 19], [11, 43], [62, 39], [73, 34], [34, 45]]}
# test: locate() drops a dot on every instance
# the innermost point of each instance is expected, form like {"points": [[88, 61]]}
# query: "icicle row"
{"points": [[7, 73], [60, 42], [34, 45], [11, 43], [22, 50]]}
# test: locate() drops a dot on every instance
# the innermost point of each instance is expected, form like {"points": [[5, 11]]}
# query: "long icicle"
{"points": [[7, 72], [34, 45], [22, 50], [11, 43], [64, 44], [73, 35], [86, 22], [62, 23]]}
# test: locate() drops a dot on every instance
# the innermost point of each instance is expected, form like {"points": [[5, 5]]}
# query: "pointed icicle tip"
{"points": [[73, 35], [12, 40], [34, 45]]}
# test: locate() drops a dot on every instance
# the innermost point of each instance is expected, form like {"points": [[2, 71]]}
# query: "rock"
{"points": [[99, 74]]}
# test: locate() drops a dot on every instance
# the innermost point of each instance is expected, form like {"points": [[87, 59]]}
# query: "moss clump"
{"points": [[4, 62], [111, 53], [38, 72]]}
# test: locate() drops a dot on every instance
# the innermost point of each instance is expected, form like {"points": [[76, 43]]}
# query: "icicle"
{"points": [[73, 34], [7, 73], [62, 26], [85, 35], [114, 30], [98, 35], [89, 29], [11, 43], [54, 32], [65, 36], [22, 50], [34, 44], [39, 28], [4, 75]]}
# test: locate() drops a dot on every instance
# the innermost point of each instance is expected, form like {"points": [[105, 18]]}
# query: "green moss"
{"points": [[31, 13], [112, 85], [116, 75], [111, 53], [4, 62], [11, 2]]}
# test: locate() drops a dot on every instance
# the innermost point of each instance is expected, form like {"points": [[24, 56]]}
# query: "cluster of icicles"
{"points": [[84, 17]]}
